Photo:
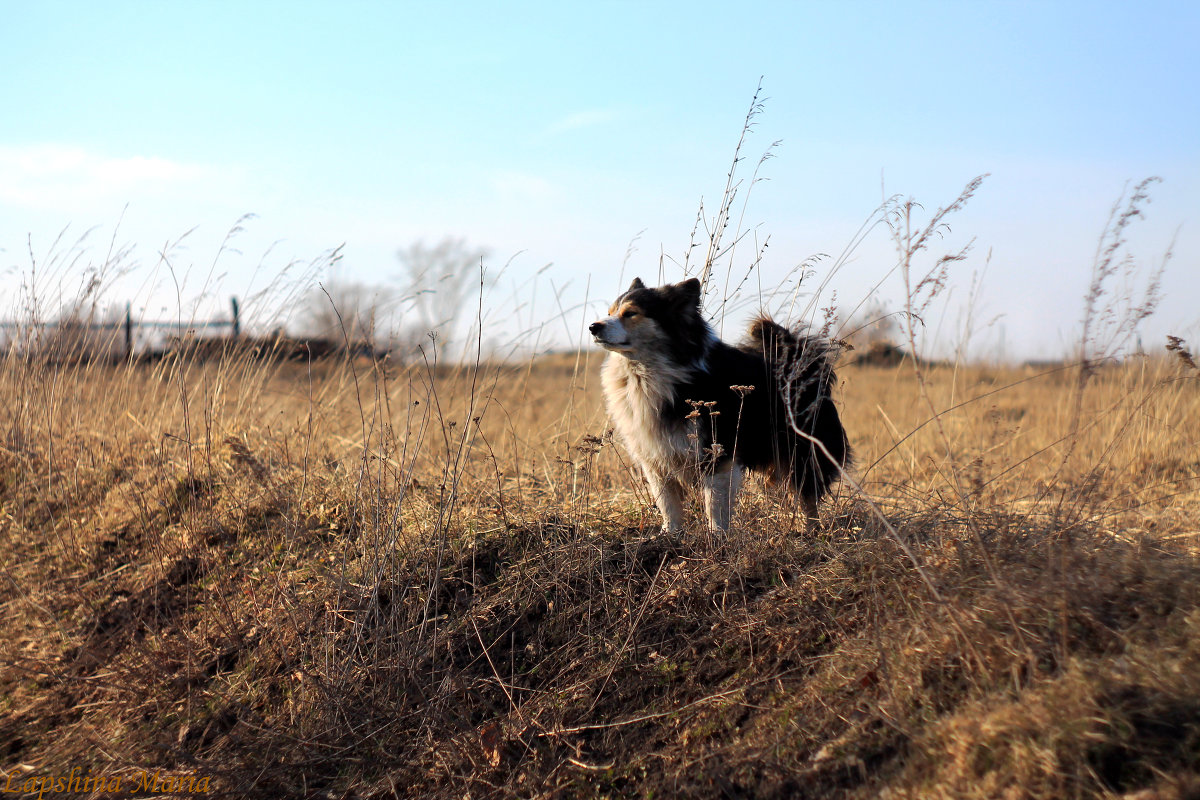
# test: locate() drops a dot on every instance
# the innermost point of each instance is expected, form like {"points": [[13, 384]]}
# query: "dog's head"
{"points": [[645, 321]]}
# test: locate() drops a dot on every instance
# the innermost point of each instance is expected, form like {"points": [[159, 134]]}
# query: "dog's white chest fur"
{"points": [[636, 395]]}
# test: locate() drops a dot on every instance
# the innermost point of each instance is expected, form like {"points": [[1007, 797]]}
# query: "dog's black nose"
{"points": [[596, 327]]}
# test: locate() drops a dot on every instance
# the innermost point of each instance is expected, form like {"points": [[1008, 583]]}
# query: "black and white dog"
{"points": [[691, 408]]}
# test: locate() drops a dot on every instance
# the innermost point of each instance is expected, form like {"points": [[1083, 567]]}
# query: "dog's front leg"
{"points": [[668, 496], [720, 492]]}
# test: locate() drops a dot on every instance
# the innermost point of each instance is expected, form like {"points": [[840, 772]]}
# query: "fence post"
{"points": [[237, 324], [129, 331]]}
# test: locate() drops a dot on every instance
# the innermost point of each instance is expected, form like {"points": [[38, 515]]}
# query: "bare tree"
{"points": [[871, 325], [875, 333], [438, 282], [344, 310]]}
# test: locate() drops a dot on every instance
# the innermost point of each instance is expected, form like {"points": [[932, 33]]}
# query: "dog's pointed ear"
{"points": [[687, 293], [637, 284]]}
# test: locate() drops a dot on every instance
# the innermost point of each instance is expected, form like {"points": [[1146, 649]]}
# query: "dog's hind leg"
{"points": [[668, 496], [720, 492], [812, 517]]}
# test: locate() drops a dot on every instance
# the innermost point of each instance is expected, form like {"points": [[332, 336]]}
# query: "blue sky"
{"points": [[556, 133]]}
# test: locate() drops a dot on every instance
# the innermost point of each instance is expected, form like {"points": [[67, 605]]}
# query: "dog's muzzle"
{"points": [[609, 336]]}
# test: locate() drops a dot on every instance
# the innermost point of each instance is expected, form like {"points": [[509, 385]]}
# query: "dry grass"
{"points": [[347, 580]]}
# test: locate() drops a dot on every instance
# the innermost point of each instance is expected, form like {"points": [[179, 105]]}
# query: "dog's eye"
{"points": [[628, 313]]}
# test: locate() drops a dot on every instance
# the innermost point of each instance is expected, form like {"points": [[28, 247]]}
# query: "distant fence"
{"points": [[76, 340], [90, 335]]}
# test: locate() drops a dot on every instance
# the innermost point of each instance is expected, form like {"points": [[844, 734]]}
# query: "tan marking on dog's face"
{"points": [[626, 311], [628, 330]]}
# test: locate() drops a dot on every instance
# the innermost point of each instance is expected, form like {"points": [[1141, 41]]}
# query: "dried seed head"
{"points": [[1178, 346]]}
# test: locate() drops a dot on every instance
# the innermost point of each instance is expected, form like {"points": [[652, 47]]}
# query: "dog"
{"points": [[691, 408]]}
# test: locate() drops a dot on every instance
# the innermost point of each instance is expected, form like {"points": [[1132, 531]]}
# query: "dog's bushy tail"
{"points": [[802, 368]]}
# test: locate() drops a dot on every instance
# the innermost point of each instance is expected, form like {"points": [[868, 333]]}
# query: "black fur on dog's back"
{"points": [[793, 377], [803, 380]]}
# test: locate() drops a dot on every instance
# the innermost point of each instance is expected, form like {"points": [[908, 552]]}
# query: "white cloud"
{"points": [[522, 187], [581, 119], [70, 178]]}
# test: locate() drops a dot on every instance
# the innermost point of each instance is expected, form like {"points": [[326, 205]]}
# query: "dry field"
{"points": [[357, 580]]}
